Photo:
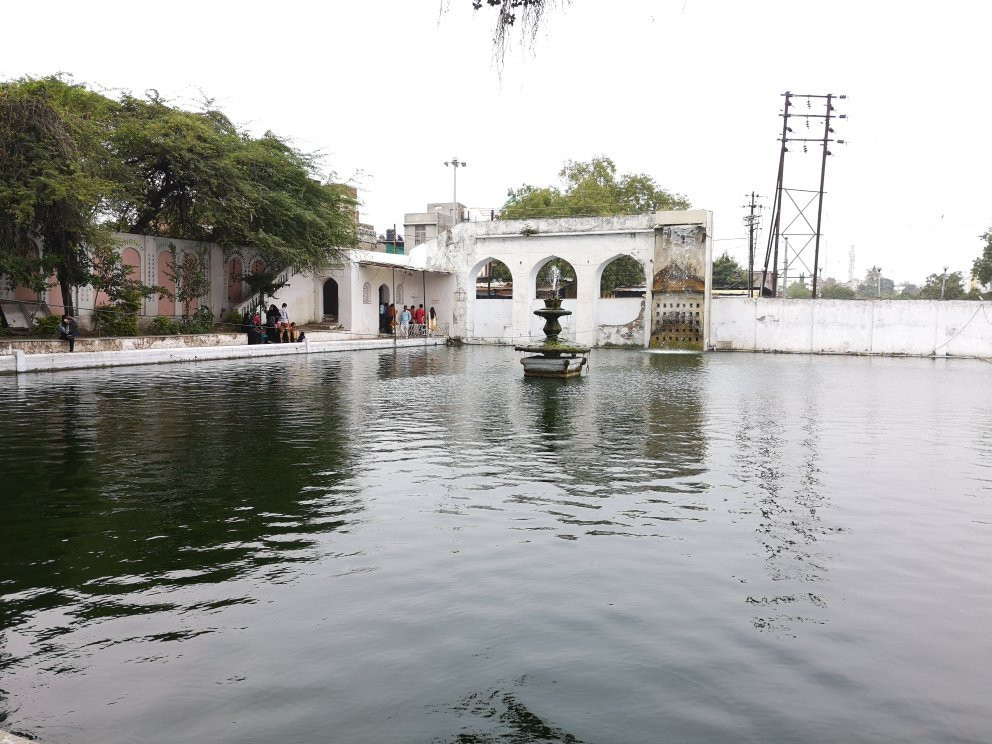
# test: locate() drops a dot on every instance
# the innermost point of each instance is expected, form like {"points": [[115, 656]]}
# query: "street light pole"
{"points": [[456, 164]]}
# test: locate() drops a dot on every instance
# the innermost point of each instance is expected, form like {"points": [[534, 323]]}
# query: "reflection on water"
{"points": [[425, 546]]}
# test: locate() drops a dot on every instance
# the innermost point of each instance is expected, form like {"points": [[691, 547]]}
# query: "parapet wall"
{"points": [[888, 327]]}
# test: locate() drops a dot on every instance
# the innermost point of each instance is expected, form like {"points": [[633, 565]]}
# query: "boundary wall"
{"points": [[884, 327], [20, 363]]}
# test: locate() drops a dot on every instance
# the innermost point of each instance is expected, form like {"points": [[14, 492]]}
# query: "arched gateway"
{"points": [[331, 300]]}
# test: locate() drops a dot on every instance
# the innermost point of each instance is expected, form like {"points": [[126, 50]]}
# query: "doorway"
{"points": [[331, 300]]}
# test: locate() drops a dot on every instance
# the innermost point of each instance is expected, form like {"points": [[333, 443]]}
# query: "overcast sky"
{"points": [[687, 91]]}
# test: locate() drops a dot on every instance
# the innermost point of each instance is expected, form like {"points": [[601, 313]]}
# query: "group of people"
{"points": [[411, 321], [277, 329]]}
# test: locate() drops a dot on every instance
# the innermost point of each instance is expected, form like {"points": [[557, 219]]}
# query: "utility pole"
{"points": [[879, 270], [943, 282], [751, 221], [777, 202], [785, 266], [801, 199], [455, 163]]}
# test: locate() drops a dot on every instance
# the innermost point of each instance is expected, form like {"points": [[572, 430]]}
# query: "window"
{"points": [[419, 234]]}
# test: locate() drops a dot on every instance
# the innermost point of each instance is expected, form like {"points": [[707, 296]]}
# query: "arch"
{"points": [[166, 304], [540, 278], [384, 294], [493, 280], [132, 258], [399, 293], [621, 272], [331, 299], [367, 293], [235, 287]]}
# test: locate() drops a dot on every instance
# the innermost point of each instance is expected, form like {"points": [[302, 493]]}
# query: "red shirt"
{"points": [[418, 315]]}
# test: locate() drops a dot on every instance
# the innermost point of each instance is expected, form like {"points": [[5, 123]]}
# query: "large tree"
{"points": [[195, 176], [589, 189], [58, 176], [75, 165]]}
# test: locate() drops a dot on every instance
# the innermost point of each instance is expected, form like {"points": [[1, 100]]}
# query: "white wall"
{"points": [[490, 321], [620, 320], [910, 327]]}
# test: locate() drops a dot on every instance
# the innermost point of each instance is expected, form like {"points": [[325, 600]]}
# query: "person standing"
{"points": [[432, 321], [68, 330], [284, 324], [383, 317], [272, 324], [405, 322], [391, 319], [419, 318]]}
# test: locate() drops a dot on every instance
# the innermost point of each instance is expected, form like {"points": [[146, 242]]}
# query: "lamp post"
{"points": [[455, 163], [943, 282]]}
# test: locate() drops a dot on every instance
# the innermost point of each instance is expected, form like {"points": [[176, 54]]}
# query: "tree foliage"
{"points": [[525, 15], [590, 189], [728, 274], [798, 291], [188, 275], [875, 285], [834, 290], [981, 270], [624, 271], [944, 286], [57, 176], [75, 165]]}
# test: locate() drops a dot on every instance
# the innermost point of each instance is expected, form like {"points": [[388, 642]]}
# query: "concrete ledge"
{"points": [[23, 363]]}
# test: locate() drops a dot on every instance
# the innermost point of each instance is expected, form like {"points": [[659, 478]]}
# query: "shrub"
{"points": [[46, 326], [164, 326], [202, 321], [116, 320], [232, 320]]}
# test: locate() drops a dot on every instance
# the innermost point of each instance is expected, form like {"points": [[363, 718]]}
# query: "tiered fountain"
{"points": [[554, 358]]}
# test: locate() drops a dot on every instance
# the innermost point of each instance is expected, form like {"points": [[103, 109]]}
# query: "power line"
{"points": [[799, 208]]}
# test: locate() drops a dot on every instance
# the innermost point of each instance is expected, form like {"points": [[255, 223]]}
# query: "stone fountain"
{"points": [[554, 358]]}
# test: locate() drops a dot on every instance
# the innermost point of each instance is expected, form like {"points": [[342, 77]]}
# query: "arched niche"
{"points": [[493, 280], [166, 304], [542, 273], [622, 276]]}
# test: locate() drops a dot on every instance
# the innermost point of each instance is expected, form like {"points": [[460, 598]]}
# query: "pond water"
{"points": [[423, 546]]}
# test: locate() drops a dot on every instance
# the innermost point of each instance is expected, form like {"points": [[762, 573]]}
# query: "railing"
{"points": [[421, 330], [251, 302]]}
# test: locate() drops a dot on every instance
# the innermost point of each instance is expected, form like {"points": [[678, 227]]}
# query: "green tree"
{"points": [[57, 177], [834, 290], [195, 176], [875, 285], [624, 271], [728, 274], [944, 286], [981, 270], [189, 276], [797, 291], [591, 189], [110, 276]]}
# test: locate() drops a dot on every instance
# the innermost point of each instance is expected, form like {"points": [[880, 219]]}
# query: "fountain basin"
{"points": [[553, 366], [553, 358]]}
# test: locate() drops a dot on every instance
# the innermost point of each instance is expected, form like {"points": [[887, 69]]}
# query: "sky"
{"points": [[686, 91]]}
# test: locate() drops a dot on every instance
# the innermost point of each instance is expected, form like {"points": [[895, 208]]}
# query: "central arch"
{"points": [[331, 300]]}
